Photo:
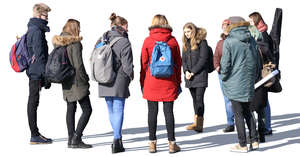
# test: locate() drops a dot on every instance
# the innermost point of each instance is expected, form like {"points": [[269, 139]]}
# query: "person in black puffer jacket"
{"points": [[194, 61]]}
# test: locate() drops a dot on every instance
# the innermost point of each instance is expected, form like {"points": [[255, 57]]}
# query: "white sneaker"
{"points": [[239, 149]]}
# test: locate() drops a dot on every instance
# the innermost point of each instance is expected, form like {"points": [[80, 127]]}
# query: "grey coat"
{"points": [[123, 61], [78, 87]]}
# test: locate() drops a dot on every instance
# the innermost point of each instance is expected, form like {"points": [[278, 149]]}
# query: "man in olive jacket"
{"points": [[239, 70]]}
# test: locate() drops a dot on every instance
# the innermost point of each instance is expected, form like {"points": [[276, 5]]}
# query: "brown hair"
{"points": [[117, 20], [256, 17], [193, 41], [40, 8], [159, 20], [72, 27]]}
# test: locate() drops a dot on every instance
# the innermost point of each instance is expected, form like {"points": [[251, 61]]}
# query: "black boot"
{"points": [[117, 146], [69, 141], [77, 142], [229, 128]]}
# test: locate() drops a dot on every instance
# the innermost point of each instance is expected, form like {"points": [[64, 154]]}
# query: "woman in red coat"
{"points": [[160, 89]]}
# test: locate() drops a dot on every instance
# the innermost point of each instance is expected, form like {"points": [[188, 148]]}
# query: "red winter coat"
{"points": [[160, 89]]}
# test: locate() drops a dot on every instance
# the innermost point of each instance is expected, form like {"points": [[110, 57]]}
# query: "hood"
{"points": [[201, 34], [239, 31], [160, 33], [65, 39], [38, 23]]}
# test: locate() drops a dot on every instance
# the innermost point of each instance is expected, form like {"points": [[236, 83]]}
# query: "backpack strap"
{"points": [[111, 43]]}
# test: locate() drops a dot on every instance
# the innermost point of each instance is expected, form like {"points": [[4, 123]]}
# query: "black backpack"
{"points": [[210, 64], [58, 67]]}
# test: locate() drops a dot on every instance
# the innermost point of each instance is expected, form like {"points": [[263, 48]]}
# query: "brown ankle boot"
{"points": [[152, 146], [199, 124], [173, 147], [193, 126]]}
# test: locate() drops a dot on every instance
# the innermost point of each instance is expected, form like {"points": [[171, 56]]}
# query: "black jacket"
{"points": [[195, 61], [37, 48]]}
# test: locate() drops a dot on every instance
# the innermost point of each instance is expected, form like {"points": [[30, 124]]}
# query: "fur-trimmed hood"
{"points": [[161, 26], [63, 40], [201, 34], [240, 24]]}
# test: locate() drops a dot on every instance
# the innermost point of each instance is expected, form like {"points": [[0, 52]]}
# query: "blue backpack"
{"points": [[161, 65], [19, 57]]}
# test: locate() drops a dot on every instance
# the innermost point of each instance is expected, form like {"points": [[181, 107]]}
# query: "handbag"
{"points": [[266, 70]]}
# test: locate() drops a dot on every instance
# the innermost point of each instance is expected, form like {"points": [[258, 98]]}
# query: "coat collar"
{"points": [[240, 24], [65, 39], [39, 23], [168, 27]]}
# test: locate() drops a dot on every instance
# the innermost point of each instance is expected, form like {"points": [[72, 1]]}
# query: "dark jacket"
{"points": [[78, 87], [239, 63], [195, 61], [37, 48], [122, 55], [160, 89]]}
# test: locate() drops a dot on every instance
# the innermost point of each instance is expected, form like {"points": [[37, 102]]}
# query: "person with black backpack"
{"points": [[38, 51], [195, 57], [116, 89], [76, 88]]}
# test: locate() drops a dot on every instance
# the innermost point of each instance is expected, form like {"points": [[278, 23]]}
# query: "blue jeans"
{"points": [[228, 107], [268, 117], [115, 107]]}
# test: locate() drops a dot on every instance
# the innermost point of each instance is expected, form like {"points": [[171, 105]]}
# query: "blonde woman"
{"points": [[194, 60], [160, 89]]}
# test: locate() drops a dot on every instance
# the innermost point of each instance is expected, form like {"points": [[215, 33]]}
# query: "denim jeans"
{"points": [[268, 116], [115, 107], [228, 107]]}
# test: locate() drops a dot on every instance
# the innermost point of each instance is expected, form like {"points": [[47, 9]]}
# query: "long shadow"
{"points": [[286, 116], [208, 141], [159, 136]]}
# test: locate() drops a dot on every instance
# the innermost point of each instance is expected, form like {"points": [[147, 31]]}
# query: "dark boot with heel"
{"points": [[117, 146], [77, 142]]}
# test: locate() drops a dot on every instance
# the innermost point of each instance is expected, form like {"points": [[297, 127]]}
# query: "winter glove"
{"points": [[45, 83]]}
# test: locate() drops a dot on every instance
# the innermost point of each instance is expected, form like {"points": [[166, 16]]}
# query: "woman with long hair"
{"points": [[194, 60], [77, 88]]}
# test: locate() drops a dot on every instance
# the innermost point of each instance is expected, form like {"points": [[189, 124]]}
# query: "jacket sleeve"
{"points": [[39, 56], [225, 64], [217, 56], [184, 62], [127, 59], [178, 63], [203, 57], [144, 63], [75, 56]]}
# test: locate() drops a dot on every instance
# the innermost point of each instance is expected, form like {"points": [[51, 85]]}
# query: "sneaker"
{"points": [[229, 128], [268, 132], [254, 146], [152, 147], [239, 149], [40, 140]]}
